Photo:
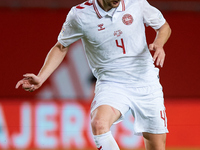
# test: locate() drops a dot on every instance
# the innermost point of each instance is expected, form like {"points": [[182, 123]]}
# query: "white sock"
{"points": [[105, 142]]}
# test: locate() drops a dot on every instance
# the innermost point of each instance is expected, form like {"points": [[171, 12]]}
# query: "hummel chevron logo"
{"points": [[101, 27]]}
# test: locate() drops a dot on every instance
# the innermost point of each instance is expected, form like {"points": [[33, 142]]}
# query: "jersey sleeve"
{"points": [[71, 29], [152, 16]]}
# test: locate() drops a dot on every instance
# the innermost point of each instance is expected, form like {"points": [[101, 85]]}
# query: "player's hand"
{"points": [[30, 82], [159, 55]]}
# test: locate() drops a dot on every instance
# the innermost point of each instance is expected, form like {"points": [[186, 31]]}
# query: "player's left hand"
{"points": [[159, 55]]}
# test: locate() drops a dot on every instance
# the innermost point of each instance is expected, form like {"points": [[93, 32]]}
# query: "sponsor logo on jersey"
{"points": [[117, 33], [127, 19], [101, 27]]}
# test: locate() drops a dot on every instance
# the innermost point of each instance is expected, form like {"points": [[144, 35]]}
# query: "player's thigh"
{"points": [[104, 115], [154, 141]]}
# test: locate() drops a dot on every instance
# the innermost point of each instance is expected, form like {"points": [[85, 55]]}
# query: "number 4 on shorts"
{"points": [[163, 116]]}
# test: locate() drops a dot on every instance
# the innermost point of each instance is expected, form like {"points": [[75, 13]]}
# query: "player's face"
{"points": [[108, 4], [112, 3]]}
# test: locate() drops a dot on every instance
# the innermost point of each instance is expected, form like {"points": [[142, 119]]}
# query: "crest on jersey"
{"points": [[127, 19]]}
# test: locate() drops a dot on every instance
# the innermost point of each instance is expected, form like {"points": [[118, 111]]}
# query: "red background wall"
{"points": [[26, 35]]}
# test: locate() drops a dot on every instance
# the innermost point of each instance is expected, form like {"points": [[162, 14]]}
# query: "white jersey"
{"points": [[115, 41]]}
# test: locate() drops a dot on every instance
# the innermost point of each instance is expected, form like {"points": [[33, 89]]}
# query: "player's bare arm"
{"points": [[163, 34], [31, 82]]}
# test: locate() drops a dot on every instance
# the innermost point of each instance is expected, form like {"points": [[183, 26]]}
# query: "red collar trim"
{"points": [[96, 10], [123, 5]]}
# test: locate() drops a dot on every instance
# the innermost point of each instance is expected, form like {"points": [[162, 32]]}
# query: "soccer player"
{"points": [[113, 35]]}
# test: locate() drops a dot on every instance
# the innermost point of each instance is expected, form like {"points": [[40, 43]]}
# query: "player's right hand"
{"points": [[30, 82]]}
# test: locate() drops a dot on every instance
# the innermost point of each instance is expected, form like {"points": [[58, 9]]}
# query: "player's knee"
{"points": [[99, 126]]}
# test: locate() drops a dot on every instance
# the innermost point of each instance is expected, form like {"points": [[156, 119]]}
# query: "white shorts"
{"points": [[145, 103]]}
